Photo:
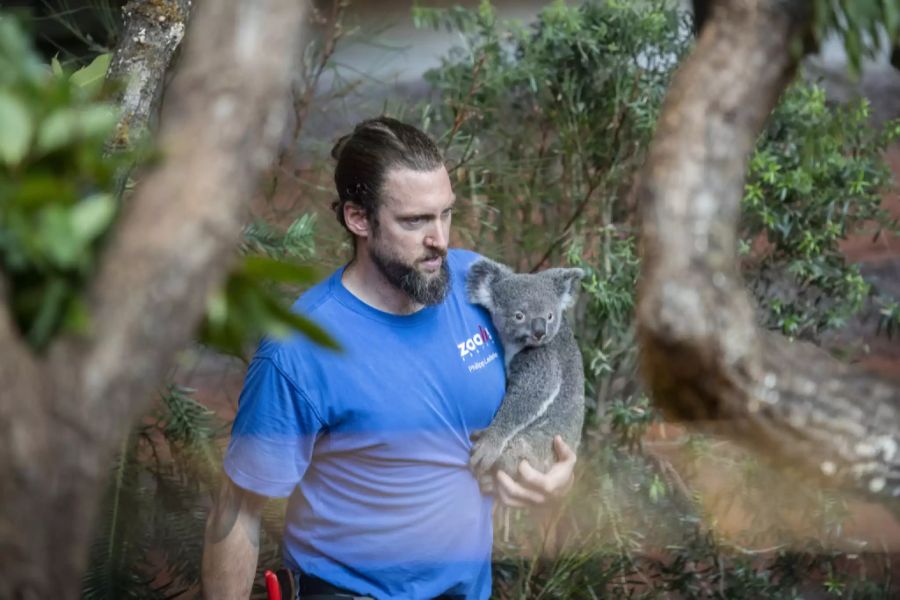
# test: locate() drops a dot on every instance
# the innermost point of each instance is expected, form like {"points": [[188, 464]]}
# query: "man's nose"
{"points": [[436, 238]]}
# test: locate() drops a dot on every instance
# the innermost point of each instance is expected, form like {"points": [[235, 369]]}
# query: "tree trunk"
{"points": [[63, 415], [703, 357]]}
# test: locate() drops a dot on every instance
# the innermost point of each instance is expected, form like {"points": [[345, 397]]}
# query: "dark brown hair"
{"points": [[365, 156]]}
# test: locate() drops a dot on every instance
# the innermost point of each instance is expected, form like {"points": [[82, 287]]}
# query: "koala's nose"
{"points": [[539, 328]]}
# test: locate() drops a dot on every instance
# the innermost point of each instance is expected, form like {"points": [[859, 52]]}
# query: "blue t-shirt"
{"points": [[372, 443]]}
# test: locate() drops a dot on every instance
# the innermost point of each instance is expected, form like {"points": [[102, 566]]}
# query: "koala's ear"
{"points": [[483, 274], [567, 282]]}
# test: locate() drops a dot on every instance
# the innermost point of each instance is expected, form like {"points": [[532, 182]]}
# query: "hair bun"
{"points": [[339, 146]]}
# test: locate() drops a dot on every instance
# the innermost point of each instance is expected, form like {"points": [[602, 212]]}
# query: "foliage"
{"points": [[55, 184], [816, 177], [59, 204], [252, 303], [865, 26], [545, 127], [154, 516]]}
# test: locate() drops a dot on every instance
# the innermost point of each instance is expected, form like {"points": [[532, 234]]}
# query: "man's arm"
{"points": [[231, 544]]}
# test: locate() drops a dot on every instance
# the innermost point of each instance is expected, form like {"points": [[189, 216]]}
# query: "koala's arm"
{"points": [[533, 382]]}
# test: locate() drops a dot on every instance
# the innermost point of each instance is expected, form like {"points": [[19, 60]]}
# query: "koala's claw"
{"points": [[477, 434], [485, 454]]}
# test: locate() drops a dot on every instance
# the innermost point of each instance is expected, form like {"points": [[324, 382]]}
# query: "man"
{"points": [[371, 444]]}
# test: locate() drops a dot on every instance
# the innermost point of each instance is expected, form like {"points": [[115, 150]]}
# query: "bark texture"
{"points": [[152, 34], [702, 354], [63, 414]]}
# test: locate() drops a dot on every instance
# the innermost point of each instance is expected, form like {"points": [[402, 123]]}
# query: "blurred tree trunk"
{"points": [[63, 414], [703, 357]]}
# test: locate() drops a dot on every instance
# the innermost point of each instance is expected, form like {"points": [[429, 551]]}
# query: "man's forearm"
{"points": [[231, 545]]}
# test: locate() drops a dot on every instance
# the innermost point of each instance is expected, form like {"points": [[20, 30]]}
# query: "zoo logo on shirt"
{"points": [[475, 343]]}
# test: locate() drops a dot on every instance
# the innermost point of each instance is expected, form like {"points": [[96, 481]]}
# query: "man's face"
{"points": [[409, 242]]}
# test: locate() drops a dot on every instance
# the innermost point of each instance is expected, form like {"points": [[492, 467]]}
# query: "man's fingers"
{"points": [[513, 493], [563, 452], [503, 491], [555, 482], [506, 500], [543, 482]]}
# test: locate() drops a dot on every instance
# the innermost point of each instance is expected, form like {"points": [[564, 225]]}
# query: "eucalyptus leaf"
{"points": [[58, 129], [50, 312], [56, 68], [263, 267], [56, 238], [92, 216], [90, 78], [97, 120], [16, 128], [301, 324]]}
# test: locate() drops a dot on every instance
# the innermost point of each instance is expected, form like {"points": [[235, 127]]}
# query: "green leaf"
{"points": [[96, 120], [56, 68], [56, 238], [52, 305], [262, 267], [65, 125], [77, 318], [92, 216], [57, 130], [90, 78], [15, 129], [302, 324], [217, 308]]}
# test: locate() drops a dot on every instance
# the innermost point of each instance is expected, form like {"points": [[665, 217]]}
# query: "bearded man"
{"points": [[371, 444]]}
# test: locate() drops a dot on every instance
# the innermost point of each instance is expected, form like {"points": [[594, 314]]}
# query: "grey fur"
{"points": [[544, 378]]}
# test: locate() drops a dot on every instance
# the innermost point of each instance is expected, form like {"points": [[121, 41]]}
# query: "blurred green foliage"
{"points": [[57, 187], [866, 27], [55, 184]]}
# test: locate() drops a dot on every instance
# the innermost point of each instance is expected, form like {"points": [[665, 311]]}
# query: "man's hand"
{"points": [[533, 488]]}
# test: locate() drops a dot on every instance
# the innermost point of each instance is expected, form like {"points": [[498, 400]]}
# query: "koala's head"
{"points": [[527, 309]]}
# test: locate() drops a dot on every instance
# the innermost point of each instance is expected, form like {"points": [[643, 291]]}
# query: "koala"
{"points": [[544, 370]]}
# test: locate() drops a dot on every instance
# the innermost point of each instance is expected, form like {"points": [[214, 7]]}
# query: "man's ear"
{"points": [[483, 274], [357, 220], [567, 282]]}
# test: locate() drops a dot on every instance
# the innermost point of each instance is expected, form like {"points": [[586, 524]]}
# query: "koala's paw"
{"points": [[485, 453]]}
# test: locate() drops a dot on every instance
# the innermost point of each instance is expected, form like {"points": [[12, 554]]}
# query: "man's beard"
{"points": [[420, 288]]}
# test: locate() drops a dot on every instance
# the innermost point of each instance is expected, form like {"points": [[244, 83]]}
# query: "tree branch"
{"points": [[152, 33], [702, 354]]}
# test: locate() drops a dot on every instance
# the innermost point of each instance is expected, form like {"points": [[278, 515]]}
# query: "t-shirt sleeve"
{"points": [[273, 434]]}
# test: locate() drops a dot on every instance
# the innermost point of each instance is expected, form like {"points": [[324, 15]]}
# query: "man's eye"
{"points": [[415, 221], [447, 213], [519, 316]]}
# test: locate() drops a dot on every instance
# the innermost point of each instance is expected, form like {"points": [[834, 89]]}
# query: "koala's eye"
{"points": [[550, 317], [519, 316]]}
